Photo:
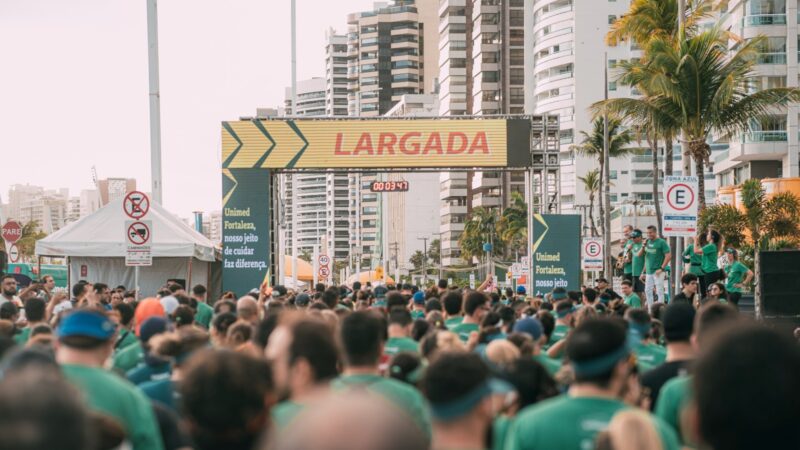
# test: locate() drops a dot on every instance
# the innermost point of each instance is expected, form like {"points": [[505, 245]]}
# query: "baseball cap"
{"points": [[169, 303], [302, 300], [559, 293], [419, 298], [521, 290], [636, 234], [529, 326], [86, 323], [152, 327], [678, 321], [279, 291]]}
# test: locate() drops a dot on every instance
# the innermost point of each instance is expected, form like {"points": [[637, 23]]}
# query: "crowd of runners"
{"points": [[397, 367]]}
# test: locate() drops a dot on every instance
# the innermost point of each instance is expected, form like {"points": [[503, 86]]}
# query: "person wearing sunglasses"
{"points": [[716, 292]]}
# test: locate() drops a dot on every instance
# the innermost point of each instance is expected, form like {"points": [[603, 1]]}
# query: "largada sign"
{"points": [[254, 150], [387, 143]]}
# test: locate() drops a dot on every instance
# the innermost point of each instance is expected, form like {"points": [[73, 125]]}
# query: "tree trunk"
{"points": [[668, 153], [654, 150], [591, 216], [757, 282], [600, 200], [699, 166]]}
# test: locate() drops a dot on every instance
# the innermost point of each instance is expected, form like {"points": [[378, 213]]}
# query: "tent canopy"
{"points": [[304, 270], [102, 234], [368, 275]]}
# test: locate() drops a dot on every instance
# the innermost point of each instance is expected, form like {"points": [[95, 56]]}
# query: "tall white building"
{"points": [[335, 74], [770, 150], [50, 209], [321, 198], [568, 55]]}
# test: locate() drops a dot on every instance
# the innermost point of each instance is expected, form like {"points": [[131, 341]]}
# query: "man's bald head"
{"points": [[247, 309], [380, 425]]}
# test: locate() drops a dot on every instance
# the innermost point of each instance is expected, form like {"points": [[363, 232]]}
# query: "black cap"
{"points": [[678, 320]]}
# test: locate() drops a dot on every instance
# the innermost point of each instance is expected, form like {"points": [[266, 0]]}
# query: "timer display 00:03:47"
{"points": [[389, 186]]}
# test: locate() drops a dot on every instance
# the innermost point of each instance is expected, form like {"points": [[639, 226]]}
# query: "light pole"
{"points": [[424, 259], [155, 101]]}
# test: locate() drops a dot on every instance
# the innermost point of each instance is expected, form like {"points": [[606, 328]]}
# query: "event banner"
{"points": [[556, 252], [245, 228], [375, 143]]}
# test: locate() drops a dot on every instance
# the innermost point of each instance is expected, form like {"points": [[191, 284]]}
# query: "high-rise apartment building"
{"points": [[50, 209], [482, 73], [770, 149], [335, 74], [320, 197], [392, 51], [567, 51]]}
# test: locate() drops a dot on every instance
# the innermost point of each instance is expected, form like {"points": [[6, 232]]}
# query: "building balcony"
{"points": [[766, 136], [771, 58], [486, 201], [764, 19], [454, 209], [452, 193]]}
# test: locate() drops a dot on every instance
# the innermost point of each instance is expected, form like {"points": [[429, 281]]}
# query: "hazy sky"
{"points": [[74, 89]]}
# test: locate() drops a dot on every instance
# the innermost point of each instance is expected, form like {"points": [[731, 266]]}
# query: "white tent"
{"points": [[95, 248]]}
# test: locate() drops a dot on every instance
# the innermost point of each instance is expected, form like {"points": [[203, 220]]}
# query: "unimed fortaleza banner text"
{"points": [[375, 143], [556, 250], [245, 228]]}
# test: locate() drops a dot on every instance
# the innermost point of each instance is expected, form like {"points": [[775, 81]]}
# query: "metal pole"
{"points": [[424, 259], [155, 101], [136, 282], [528, 244], [605, 180], [294, 113], [315, 265]]}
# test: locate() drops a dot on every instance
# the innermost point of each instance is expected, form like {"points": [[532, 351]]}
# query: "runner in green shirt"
{"points": [[475, 306], [204, 312], [738, 276], [453, 303], [362, 336], [399, 330], [694, 260], [710, 255], [628, 296], [572, 421], [86, 339]]}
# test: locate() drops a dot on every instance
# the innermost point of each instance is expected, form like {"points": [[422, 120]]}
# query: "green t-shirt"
{"points": [[22, 337], [694, 260], [710, 258], [161, 391], [463, 330], [628, 267], [284, 412], [552, 365], [559, 332], [654, 255], [638, 261], [417, 314], [396, 345], [633, 300], [126, 339], [402, 395], [673, 398], [649, 356], [204, 314], [128, 358], [736, 273], [571, 423], [453, 322], [500, 427], [111, 395]]}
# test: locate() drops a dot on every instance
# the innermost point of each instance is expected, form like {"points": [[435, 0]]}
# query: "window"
{"points": [[369, 29], [404, 65], [516, 18], [458, 45], [368, 67], [612, 63], [516, 37], [517, 76], [611, 19], [369, 41], [612, 85], [764, 7], [517, 95], [612, 174], [517, 57], [405, 77], [490, 77]]}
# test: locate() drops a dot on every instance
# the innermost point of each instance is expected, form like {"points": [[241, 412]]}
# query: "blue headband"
{"points": [[601, 364], [464, 404], [643, 329], [562, 314]]}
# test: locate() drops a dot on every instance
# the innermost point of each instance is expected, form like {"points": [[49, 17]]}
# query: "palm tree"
{"points": [[480, 228], [592, 146], [769, 223], [649, 19], [513, 224], [591, 184], [701, 86]]}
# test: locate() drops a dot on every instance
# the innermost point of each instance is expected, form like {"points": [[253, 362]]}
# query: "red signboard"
{"points": [[11, 231]]}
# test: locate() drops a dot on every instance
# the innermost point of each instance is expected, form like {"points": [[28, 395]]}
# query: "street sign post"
{"points": [[680, 206], [13, 253], [324, 272], [138, 235], [12, 232], [472, 281], [136, 205], [324, 260], [592, 254]]}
